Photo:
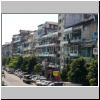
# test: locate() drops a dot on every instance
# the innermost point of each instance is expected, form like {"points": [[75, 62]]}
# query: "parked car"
{"points": [[3, 74], [18, 73], [42, 78], [34, 78], [40, 81], [43, 83], [27, 79], [56, 84]]}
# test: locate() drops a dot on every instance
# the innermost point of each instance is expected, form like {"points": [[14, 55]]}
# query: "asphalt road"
{"points": [[13, 80]]}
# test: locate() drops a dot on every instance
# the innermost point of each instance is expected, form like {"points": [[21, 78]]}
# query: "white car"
{"points": [[45, 83], [34, 78], [42, 78]]}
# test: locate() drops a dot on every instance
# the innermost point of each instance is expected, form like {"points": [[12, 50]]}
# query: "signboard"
{"points": [[95, 51], [56, 73]]}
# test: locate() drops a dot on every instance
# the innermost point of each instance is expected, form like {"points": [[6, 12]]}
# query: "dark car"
{"points": [[3, 74], [27, 79]]}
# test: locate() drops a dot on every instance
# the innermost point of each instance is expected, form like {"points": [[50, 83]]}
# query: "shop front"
{"points": [[53, 74]]}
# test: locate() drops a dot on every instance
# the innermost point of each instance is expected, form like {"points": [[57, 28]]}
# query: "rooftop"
{"points": [[50, 22]]}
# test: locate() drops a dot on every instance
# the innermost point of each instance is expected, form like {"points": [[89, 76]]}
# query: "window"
{"points": [[74, 49]]}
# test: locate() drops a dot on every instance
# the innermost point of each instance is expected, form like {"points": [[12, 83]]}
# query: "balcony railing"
{"points": [[74, 54], [46, 55], [17, 41], [45, 45], [64, 42], [27, 48], [75, 40]]}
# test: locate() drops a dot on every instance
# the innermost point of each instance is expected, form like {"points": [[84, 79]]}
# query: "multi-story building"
{"points": [[16, 45], [47, 27], [74, 35], [28, 46], [35, 41], [47, 36], [77, 35], [7, 50], [19, 42]]}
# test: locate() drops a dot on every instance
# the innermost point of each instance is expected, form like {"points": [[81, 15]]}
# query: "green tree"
{"points": [[19, 62], [64, 74], [4, 60], [77, 71], [12, 62], [8, 60], [38, 68], [93, 73], [31, 64], [24, 66], [67, 70]]}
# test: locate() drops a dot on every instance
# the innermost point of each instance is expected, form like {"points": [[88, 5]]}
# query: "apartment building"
{"points": [[7, 50], [16, 45], [73, 36], [28, 46], [19, 42], [47, 27], [47, 36], [77, 35]]}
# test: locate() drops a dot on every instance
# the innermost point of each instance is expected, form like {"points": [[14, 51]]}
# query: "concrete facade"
{"points": [[73, 36], [47, 36], [7, 50], [19, 42], [78, 36]]}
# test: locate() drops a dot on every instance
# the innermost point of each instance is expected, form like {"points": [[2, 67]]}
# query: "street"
{"points": [[13, 80]]}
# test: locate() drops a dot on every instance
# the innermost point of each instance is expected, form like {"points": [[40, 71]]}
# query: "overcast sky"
{"points": [[12, 23]]}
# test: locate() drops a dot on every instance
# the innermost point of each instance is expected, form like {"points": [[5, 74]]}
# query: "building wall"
{"points": [[7, 50], [18, 46], [46, 28], [72, 19], [75, 35], [75, 21], [90, 36], [45, 42], [88, 30]]}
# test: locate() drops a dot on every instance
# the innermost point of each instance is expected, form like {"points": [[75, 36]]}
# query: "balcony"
{"points": [[46, 55], [16, 41], [64, 42], [75, 40], [89, 43], [74, 54], [50, 35], [45, 45], [27, 48]]}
